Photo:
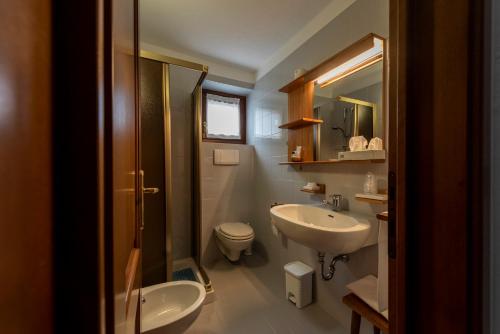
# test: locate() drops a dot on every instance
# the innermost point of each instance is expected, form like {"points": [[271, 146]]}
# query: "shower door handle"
{"points": [[142, 191]]}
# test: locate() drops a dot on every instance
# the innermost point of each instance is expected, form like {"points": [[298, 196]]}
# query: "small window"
{"points": [[224, 117]]}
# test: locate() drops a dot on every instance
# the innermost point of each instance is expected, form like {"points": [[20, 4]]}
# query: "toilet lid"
{"points": [[238, 230]]}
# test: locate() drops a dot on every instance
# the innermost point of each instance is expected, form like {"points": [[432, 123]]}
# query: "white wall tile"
{"points": [[275, 183], [227, 192]]}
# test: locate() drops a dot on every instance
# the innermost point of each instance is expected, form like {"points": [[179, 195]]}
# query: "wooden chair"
{"points": [[369, 295], [361, 309]]}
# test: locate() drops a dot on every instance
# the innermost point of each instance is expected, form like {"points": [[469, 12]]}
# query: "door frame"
{"points": [[438, 210], [82, 69], [397, 166], [78, 141]]}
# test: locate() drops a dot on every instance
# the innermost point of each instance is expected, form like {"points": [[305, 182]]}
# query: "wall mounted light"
{"points": [[365, 58]]}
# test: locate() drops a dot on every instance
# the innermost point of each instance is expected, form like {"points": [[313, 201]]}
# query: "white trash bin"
{"points": [[298, 278]]}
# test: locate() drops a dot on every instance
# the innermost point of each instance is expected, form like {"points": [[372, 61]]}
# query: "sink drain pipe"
{"points": [[331, 268]]}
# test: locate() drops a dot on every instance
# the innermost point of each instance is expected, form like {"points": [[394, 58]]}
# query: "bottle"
{"points": [[370, 185]]}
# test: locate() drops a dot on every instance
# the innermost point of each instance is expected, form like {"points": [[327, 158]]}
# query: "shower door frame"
{"points": [[196, 184]]}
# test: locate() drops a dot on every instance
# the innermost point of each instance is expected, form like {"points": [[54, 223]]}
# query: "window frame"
{"points": [[243, 118]]}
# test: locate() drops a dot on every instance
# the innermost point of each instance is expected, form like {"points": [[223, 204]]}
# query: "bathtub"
{"points": [[171, 307]]}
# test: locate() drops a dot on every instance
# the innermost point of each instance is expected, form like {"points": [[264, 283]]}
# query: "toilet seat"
{"points": [[236, 231]]}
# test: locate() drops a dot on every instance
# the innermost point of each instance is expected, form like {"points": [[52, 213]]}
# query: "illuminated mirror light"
{"points": [[357, 63]]}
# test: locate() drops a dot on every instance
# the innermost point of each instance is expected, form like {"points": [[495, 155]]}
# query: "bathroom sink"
{"points": [[325, 230]]}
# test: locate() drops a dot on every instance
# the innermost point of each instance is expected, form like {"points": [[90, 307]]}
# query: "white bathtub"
{"points": [[171, 307]]}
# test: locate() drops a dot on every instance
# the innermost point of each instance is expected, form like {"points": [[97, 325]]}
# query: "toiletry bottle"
{"points": [[370, 185]]}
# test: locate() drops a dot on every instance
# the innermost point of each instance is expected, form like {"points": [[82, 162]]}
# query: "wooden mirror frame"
{"points": [[301, 95]]}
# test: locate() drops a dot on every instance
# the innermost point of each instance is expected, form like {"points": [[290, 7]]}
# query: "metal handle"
{"points": [[151, 190], [335, 201], [141, 200], [392, 216], [143, 190], [335, 198]]}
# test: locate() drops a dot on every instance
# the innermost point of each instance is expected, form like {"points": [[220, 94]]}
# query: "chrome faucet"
{"points": [[335, 201]]}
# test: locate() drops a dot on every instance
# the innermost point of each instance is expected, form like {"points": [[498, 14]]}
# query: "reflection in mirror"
{"points": [[348, 107]]}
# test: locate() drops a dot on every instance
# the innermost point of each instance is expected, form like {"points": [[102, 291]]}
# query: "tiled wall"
{"points": [[281, 183], [227, 194]]}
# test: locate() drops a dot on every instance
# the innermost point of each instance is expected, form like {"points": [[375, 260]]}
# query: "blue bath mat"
{"points": [[186, 274]]}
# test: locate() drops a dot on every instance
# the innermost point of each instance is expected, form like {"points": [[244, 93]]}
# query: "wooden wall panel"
{"points": [[300, 104]]}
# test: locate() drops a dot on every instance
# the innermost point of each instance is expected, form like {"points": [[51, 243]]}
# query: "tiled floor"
{"points": [[245, 303]]}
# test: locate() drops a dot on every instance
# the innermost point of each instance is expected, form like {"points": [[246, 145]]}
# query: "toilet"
{"points": [[232, 238]]}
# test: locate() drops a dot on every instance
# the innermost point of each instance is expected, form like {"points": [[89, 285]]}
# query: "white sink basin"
{"points": [[325, 230]]}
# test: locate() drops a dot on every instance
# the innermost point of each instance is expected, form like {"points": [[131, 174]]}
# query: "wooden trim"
{"points": [[243, 117], [130, 274], [397, 63], [80, 35], [297, 83], [331, 162], [167, 138], [383, 216], [371, 200], [300, 123], [364, 310], [357, 68], [196, 195], [339, 58], [139, 194], [479, 182]]}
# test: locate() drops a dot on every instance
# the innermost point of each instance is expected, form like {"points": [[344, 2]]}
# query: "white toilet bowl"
{"points": [[232, 238]]}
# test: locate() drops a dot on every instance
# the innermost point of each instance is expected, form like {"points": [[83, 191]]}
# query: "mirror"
{"points": [[349, 107]]}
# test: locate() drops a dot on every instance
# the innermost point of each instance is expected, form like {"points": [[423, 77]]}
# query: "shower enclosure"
{"points": [[170, 98]]}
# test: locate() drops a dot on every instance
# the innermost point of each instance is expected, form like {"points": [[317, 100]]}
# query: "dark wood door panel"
{"points": [[26, 266], [437, 138]]}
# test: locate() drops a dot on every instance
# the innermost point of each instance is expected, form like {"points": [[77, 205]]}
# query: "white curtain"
{"points": [[223, 117]]}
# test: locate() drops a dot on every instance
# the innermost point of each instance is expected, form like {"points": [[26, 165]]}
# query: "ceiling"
{"points": [[226, 88], [247, 34]]}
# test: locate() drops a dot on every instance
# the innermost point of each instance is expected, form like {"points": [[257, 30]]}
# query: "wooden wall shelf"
{"points": [[300, 123], [331, 162], [371, 200], [383, 216], [321, 190]]}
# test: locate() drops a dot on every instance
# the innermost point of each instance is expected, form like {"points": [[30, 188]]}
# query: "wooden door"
{"points": [[69, 151], [122, 177], [438, 149], [26, 265]]}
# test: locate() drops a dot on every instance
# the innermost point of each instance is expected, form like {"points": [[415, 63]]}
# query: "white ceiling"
{"points": [[253, 35]]}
